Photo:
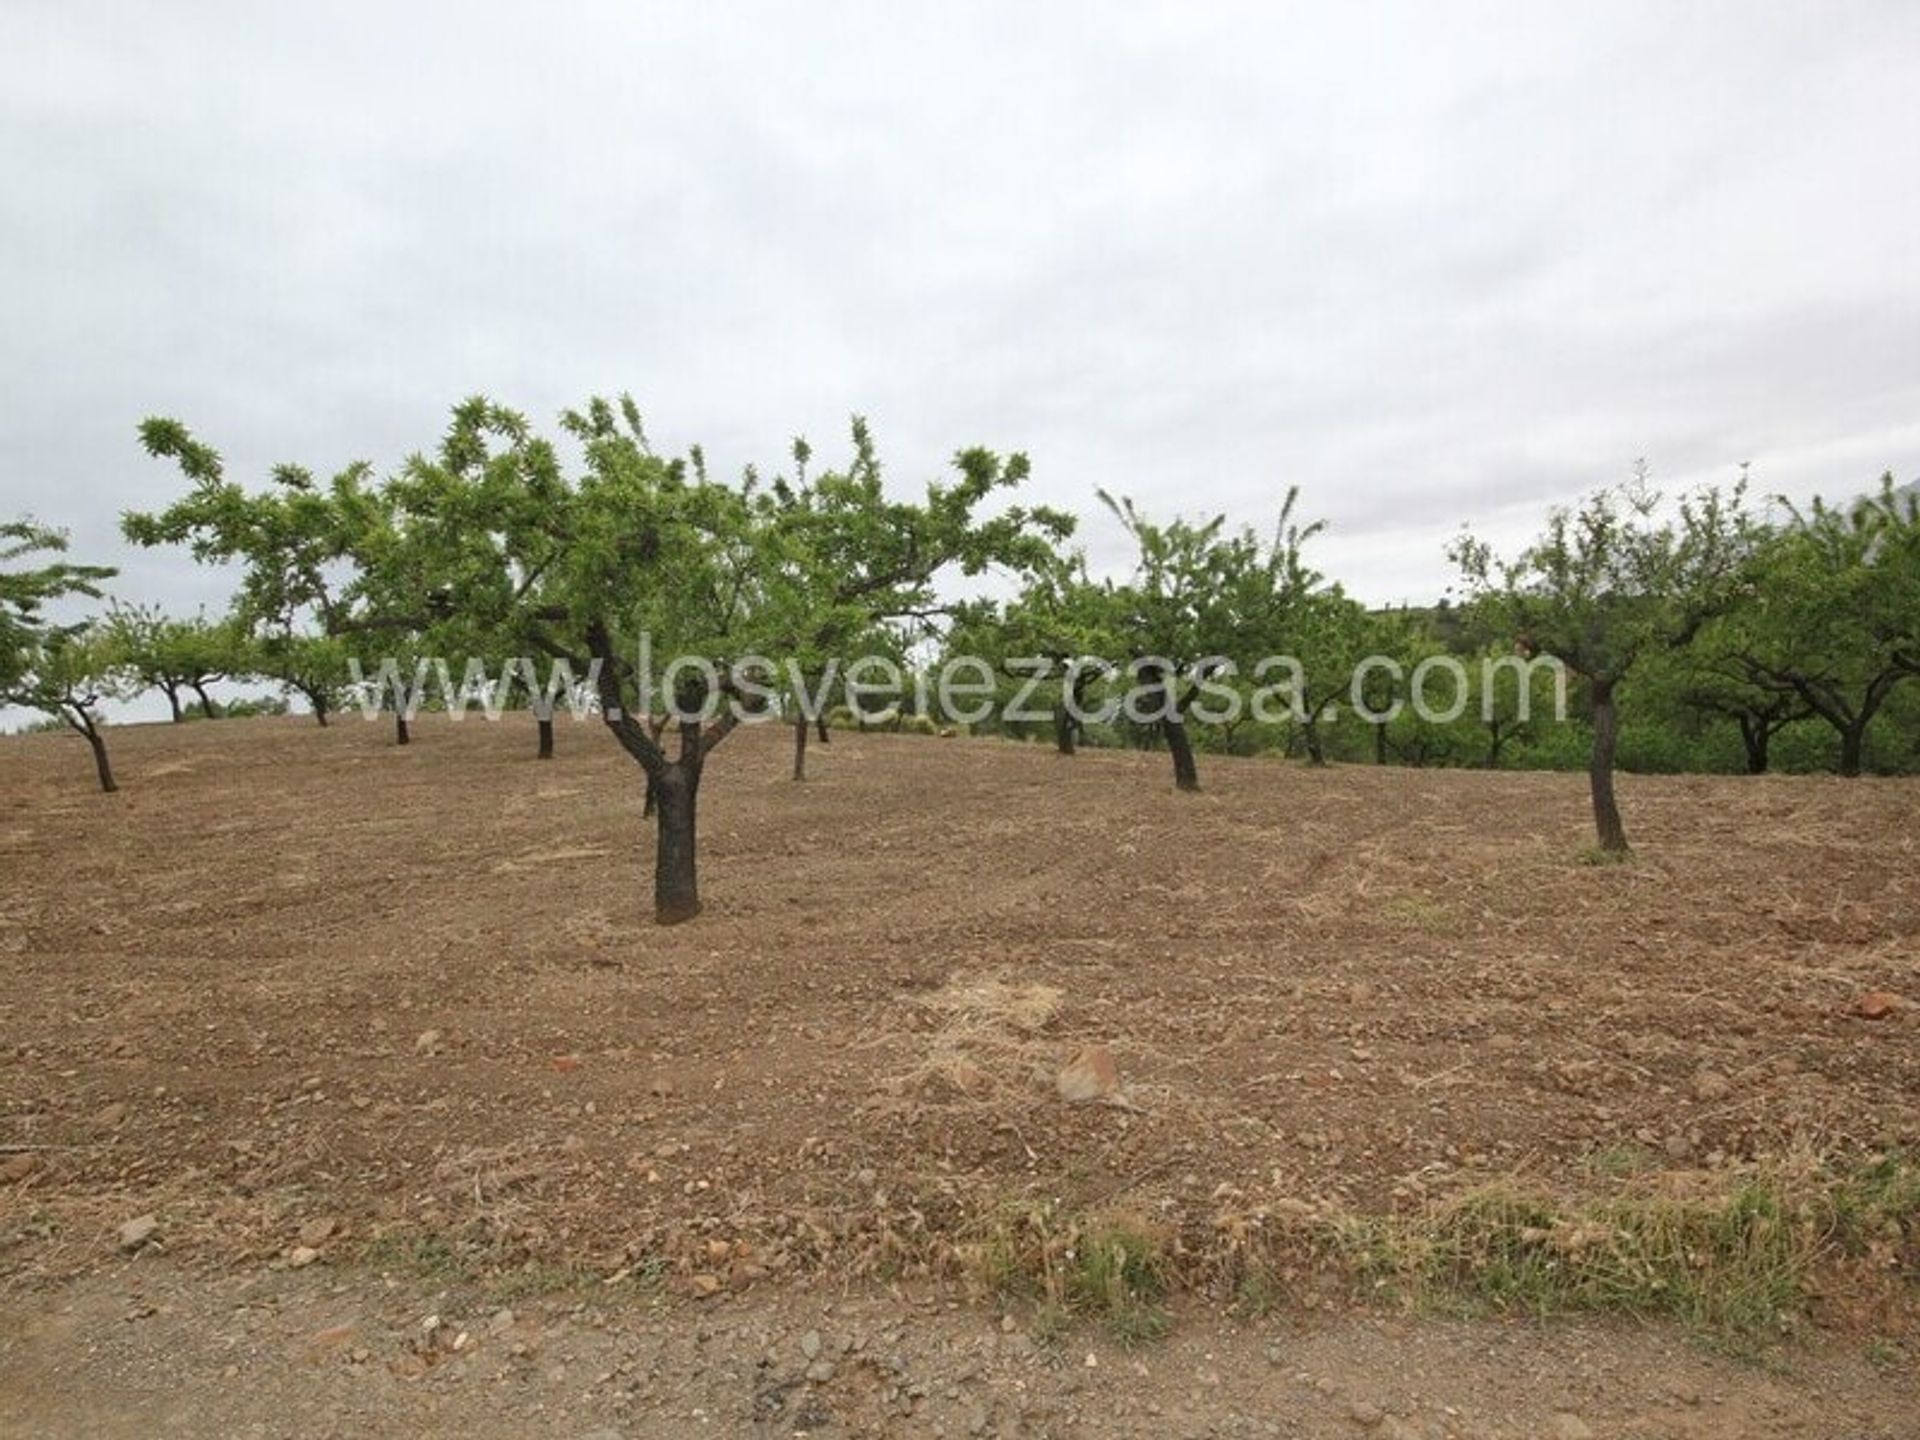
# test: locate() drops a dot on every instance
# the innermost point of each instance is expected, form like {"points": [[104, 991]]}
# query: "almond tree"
{"points": [[1608, 584], [172, 655], [842, 561], [295, 543], [1832, 623], [1197, 595], [1060, 631], [60, 670], [642, 558]]}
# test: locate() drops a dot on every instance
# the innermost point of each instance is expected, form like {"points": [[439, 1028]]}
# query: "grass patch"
{"points": [[1736, 1263], [442, 1260], [420, 1254], [1595, 855], [1111, 1268], [536, 1279], [1416, 909], [1617, 1162]]}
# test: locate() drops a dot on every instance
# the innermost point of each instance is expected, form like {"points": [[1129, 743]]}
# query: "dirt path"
{"points": [[148, 1351]]}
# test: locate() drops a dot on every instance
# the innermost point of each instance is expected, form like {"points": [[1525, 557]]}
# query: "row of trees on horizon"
{"points": [[1698, 635]]}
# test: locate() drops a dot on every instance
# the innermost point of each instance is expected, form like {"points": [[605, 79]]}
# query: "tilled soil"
{"points": [[293, 977]]}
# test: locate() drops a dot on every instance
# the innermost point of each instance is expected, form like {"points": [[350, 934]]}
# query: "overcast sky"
{"points": [[1433, 263]]}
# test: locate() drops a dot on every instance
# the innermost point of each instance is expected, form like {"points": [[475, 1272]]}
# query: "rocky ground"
{"points": [[145, 1349]]}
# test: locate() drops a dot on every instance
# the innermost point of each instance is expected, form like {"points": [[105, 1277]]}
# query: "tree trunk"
{"points": [[100, 762], [545, 727], [206, 700], [1496, 742], [1606, 739], [1173, 726], [820, 721], [1379, 744], [656, 727], [1063, 726], [401, 734], [1310, 732], [800, 727], [1853, 747], [1185, 776], [1755, 735], [676, 891], [319, 703], [172, 693], [83, 724]]}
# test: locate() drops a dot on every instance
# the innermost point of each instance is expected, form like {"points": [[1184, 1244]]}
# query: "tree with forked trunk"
{"points": [[666, 590], [1832, 627], [176, 657]]}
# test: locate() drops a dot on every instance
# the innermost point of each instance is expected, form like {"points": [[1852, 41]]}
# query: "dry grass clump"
{"points": [[984, 1040]]}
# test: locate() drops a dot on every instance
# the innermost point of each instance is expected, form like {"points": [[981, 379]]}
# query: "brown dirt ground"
{"points": [[291, 974]]}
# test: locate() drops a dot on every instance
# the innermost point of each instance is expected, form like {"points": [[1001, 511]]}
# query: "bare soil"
{"points": [[411, 1000]]}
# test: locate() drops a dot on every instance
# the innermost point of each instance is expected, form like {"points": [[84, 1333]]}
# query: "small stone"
{"points": [[1710, 1086], [1363, 1413], [1567, 1426], [16, 1168], [110, 1117], [501, 1322], [820, 1371], [301, 1256], [1091, 1075], [138, 1231], [978, 1418], [1876, 1005], [317, 1232], [427, 1042], [810, 1344], [742, 1276]]}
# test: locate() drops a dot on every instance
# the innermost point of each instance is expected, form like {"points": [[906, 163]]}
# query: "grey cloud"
{"points": [[1433, 264]]}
